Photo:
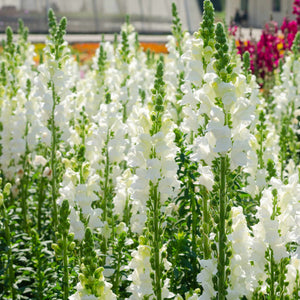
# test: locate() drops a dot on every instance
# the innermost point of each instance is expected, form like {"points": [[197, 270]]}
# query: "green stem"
{"points": [[53, 162], [205, 222], [117, 278], [40, 203], [36, 249], [194, 231], [65, 266], [127, 212], [24, 185], [281, 279], [222, 232], [10, 268], [260, 156], [156, 243], [106, 192], [81, 177], [272, 274], [106, 174], [124, 112], [39, 276], [297, 287]]}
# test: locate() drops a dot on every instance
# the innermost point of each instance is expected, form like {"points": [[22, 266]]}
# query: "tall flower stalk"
{"points": [[56, 47], [8, 240], [92, 284], [154, 204], [64, 246]]}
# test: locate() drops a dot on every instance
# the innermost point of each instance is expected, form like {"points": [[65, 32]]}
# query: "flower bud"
{"points": [[7, 188], [47, 173], [55, 247], [20, 173], [98, 272], [71, 246]]}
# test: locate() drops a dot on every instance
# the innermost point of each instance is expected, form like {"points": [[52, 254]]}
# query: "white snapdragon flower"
{"points": [[105, 293], [203, 149], [209, 269], [122, 194], [95, 219], [76, 226], [39, 160], [242, 278], [154, 170], [193, 59], [206, 177], [292, 272], [141, 281], [277, 230], [225, 91], [85, 195], [221, 134]]}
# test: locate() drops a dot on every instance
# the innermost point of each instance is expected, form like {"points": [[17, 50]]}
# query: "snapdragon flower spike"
{"points": [[125, 50], [92, 283], [9, 46], [3, 78], [296, 45], [102, 64], [10, 270], [246, 67], [15, 73], [130, 64], [26, 168], [141, 284], [56, 81], [158, 94], [262, 163], [223, 66], [64, 245], [25, 48], [274, 236], [286, 99], [22, 30], [154, 218], [159, 183], [111, 152], [242, 276], [188, 204], [177, 44], [177, 31], [221, 114], [198, 60], [207, 32]]}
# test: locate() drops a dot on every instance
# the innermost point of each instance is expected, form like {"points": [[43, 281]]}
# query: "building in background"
{"points": [[255, 13], [148, 16]]}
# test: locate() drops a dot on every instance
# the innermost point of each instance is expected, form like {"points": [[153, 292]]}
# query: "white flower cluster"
{"points": [[98, 128]]}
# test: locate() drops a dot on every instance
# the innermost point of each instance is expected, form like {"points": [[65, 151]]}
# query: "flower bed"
{"points": [[145, 176]]}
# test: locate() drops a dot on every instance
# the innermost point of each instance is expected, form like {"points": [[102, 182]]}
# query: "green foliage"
{"points": [[276, 272], [184, 245]]}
